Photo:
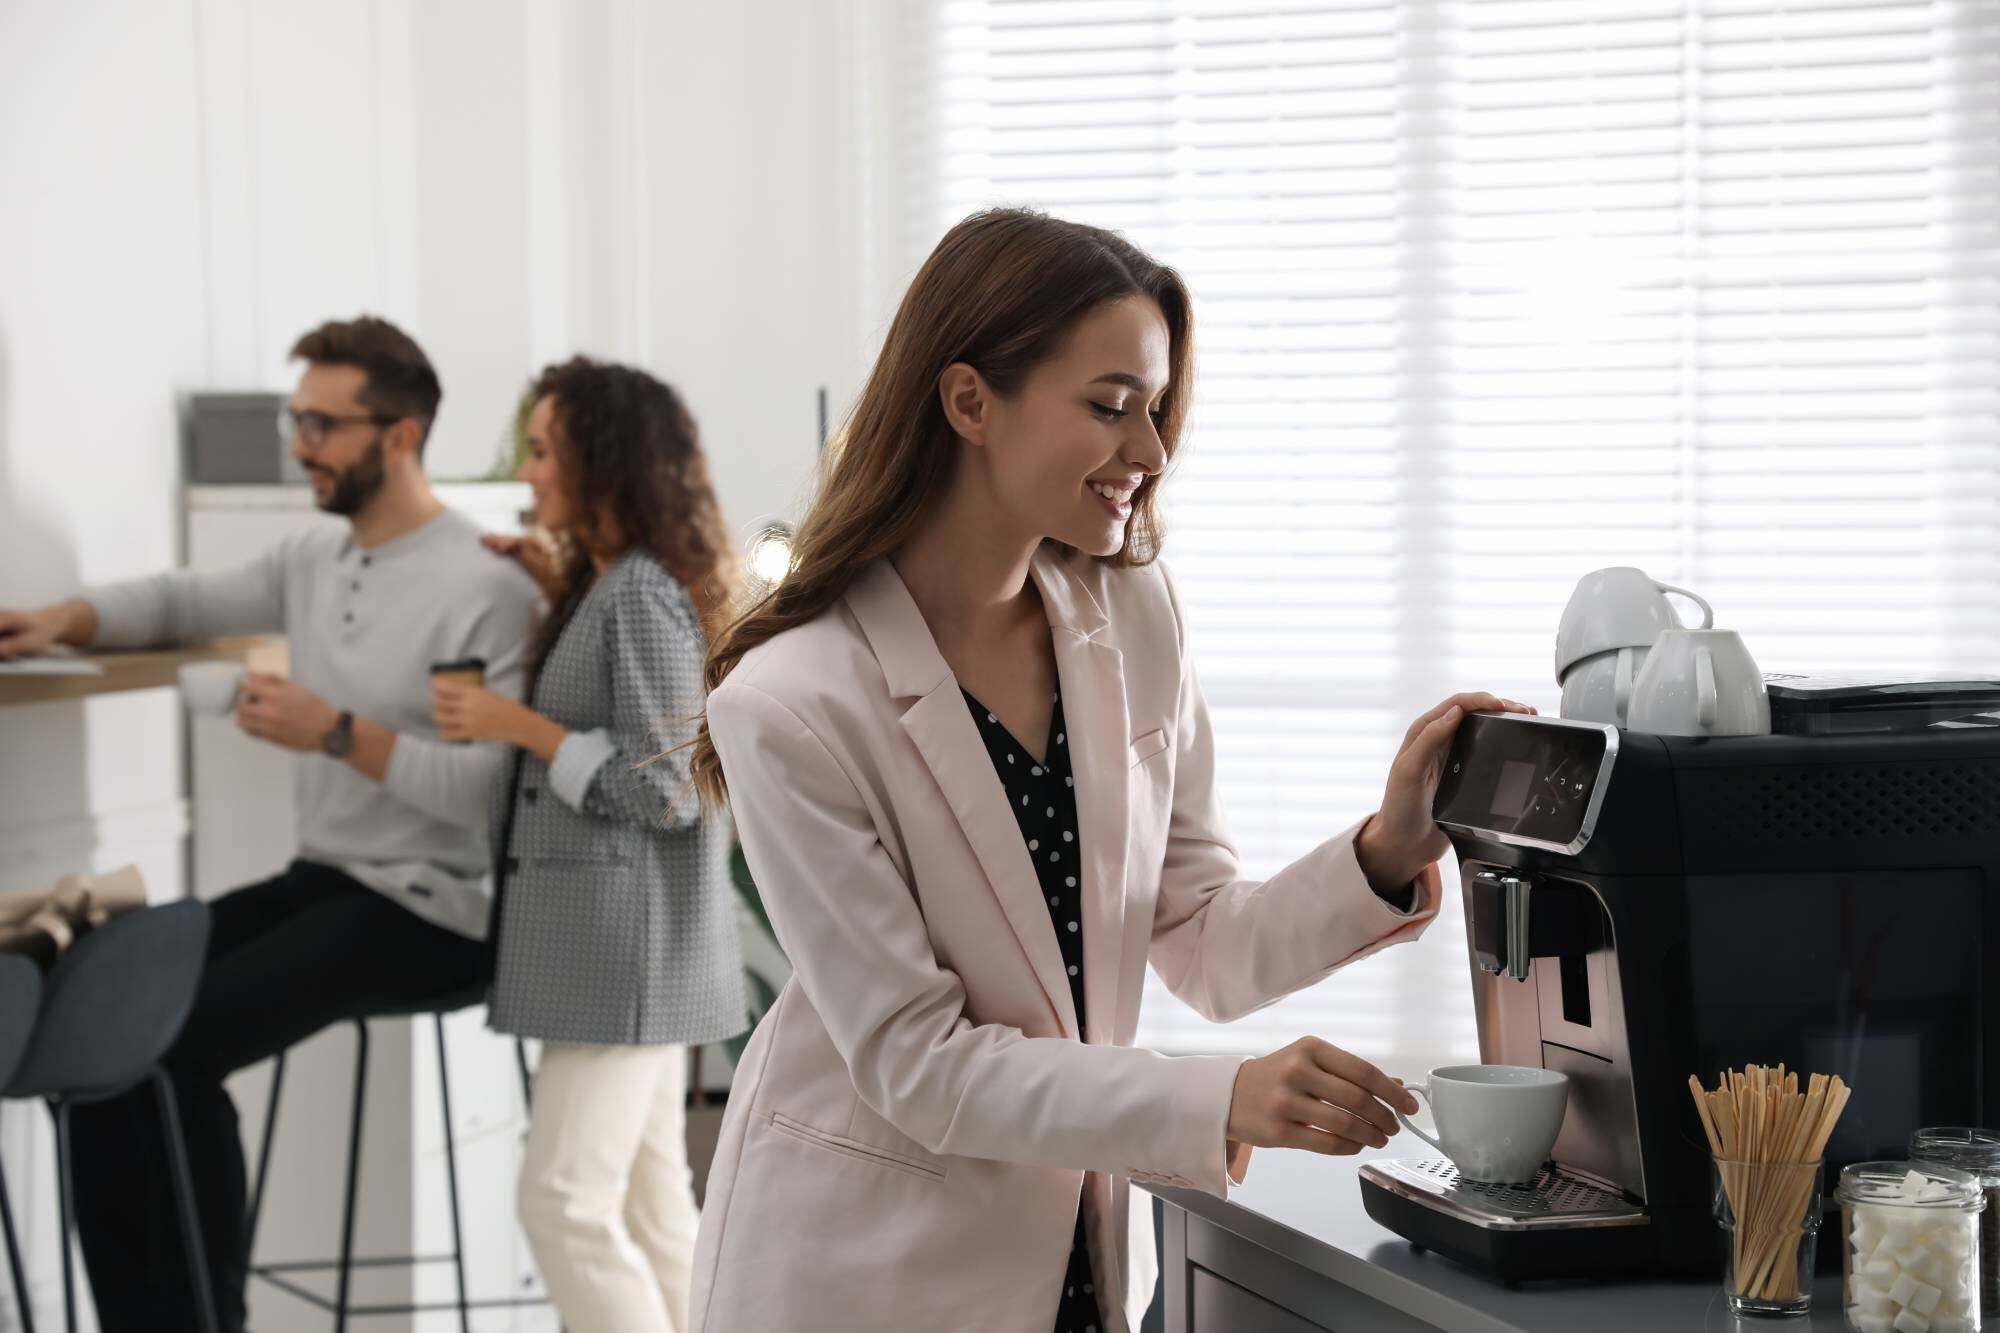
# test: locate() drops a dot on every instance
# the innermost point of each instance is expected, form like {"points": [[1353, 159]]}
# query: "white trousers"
{"points": [[606, 1196]]}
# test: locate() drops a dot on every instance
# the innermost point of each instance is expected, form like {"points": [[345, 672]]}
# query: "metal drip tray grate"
{"points": [[1554, 1198]]}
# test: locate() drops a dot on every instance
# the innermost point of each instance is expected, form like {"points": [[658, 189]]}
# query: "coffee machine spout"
{"points": [[1516, 920], [1499, 925]]}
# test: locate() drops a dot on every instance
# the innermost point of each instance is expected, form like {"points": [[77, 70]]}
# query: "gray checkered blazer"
{"points": [[616, 921]]}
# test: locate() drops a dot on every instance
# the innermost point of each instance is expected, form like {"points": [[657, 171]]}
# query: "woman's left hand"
{"points": [[1402, 838], [473, 713]]}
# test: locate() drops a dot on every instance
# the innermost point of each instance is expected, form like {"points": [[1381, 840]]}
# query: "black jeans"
{"points": [[286, 957]]}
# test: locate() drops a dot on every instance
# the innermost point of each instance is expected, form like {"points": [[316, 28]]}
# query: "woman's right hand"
{"points": [[1315, 1096], [532, 554]]}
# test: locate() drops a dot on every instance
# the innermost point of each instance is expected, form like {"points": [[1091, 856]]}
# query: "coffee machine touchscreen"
{"points": [[1525, 780]]}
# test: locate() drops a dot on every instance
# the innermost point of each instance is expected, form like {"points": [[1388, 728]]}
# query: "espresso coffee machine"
{"points": [[1640, 908]]}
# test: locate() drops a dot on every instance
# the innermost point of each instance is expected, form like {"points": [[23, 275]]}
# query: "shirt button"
{"points": [[529, 794], [512, 865]]}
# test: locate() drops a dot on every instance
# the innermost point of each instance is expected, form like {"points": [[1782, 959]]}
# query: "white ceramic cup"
{"points": [[210, 687], [1619, 607], [1497, 1123], [1599, 688], [1700, 682]]}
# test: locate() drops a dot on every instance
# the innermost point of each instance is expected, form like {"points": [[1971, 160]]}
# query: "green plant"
{"points": [[514, 444]]}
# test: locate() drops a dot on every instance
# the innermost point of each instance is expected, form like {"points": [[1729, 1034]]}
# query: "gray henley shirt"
{"points": [[364, 628]]}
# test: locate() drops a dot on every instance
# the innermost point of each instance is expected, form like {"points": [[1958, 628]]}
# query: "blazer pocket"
{"points": [[1148, 745], [846, 1147]]}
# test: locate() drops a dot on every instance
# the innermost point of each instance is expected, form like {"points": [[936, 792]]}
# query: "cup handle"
{"points": [[1621, 689], [1704, 690], [1422, 1090], [1707, 611]]}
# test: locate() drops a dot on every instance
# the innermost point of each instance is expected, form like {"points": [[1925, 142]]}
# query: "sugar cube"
{"points": [[1909, 1321], [1909, 1252], [1874, 1300], [1864, 1322]]}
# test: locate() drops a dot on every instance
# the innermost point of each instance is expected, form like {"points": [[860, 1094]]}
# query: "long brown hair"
{"points": [[999, 293], [632, 463]]}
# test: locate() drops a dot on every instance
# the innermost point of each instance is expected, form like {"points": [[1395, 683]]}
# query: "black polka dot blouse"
{"points": [[1043, 798]]}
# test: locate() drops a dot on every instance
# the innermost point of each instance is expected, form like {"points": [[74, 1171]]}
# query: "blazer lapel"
{"points": [[1092, 672], [940, 726]]}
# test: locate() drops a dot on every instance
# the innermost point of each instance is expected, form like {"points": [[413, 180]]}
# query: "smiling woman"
{"points": [[974, 778], [1003, 292]]}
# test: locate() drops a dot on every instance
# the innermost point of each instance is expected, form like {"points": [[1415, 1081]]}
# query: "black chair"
{"points": [[20, 995], [111, 1007], [341, 1307]]}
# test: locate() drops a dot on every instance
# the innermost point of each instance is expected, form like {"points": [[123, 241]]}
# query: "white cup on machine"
{"points": [[1700, 682], [1610, 624], [1497, 1123]]}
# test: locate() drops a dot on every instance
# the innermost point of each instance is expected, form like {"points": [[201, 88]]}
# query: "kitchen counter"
{"points": [[142, 670], [1293, 1251]]}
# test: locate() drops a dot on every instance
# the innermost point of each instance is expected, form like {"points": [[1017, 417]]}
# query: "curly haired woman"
{"points": [[614, 928]]}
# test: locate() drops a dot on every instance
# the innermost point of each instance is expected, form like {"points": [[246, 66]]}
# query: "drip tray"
{"points": [[1555, 1198]]}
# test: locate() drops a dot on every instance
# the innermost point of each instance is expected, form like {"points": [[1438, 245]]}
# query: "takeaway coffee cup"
{"points": [[465, 670], [1497, 1123]]}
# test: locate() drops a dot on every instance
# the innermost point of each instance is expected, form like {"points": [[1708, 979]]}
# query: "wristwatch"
{"points": [[340, 739]]}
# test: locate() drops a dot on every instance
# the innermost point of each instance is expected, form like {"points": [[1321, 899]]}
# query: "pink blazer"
{"points": [[916, 1118]]}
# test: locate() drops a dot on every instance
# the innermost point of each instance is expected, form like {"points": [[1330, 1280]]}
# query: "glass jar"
{"points": [[1910, 1247], [1977, 1151], [1769, 1216]]}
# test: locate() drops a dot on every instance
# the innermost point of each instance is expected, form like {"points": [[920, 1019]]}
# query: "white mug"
{"points": [[1619, 607], [1497, 1123], [1599, 688], [1700, 682], [210, 687]]}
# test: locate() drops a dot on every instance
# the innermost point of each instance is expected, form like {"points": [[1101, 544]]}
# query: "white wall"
{"points": [[192, 183]]}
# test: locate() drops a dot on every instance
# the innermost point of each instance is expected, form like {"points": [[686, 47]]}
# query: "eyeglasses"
{"points": [[313, 427]]}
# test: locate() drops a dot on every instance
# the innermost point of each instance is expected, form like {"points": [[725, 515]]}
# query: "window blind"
{"points": [[1491, 293]]}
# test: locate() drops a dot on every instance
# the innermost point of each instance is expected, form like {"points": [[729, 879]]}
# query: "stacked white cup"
{"points": [[1624, 657]]}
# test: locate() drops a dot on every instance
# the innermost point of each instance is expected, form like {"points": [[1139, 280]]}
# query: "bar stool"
{"points": [[110, 1009], [341, 1307], [20, 999]]}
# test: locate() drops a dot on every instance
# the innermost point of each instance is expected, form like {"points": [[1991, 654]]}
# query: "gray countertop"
{"points": [[1307, 1209]]}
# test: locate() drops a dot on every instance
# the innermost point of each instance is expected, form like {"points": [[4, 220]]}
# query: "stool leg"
{"points": [[263, 1161], [63, 1202], [21, 1302], [451, 1179], [353, 1174], [177, 1164]]}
